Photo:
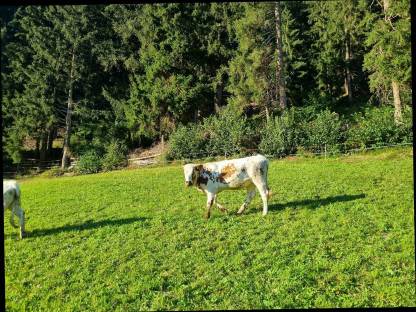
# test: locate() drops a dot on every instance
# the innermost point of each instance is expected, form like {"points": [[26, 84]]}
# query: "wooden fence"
{"points": [[37, 166]]}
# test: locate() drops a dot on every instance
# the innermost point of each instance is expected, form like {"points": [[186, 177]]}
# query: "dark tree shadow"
{"points": [[312, 203], [89, 225]]}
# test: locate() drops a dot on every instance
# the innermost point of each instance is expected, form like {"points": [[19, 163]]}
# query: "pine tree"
{"points": [[389, 58], [221, 45], [253, 68], [280, 73], [30, 98], [338, 36], [256, 77], [174, 59], [75, 32], [50, 69], [299, 73]]}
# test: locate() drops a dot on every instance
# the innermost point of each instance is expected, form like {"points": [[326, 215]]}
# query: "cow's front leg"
{"points": [[250, 194], [21, 215], [13, 210], [220, 207], [18, 211], [210, 201]]}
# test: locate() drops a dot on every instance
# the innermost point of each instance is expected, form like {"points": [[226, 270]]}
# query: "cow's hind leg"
{"points": [[18, 211], [250, 194], [210, 201], [13, 210], [21, 215], [220, 207], [263, 190]]}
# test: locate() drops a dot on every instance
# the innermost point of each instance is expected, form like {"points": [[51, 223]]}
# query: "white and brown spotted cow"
{"points": [[11, 200], [244, 173]]}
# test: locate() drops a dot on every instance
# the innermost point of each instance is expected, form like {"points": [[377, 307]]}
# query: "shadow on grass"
{"points": [[310, 203], [84, 226], [317, 202]]}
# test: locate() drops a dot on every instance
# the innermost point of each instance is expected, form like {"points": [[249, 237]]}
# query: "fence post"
{"points": [[325, 149]]}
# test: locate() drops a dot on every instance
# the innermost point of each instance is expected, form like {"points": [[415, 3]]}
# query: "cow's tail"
{"points": [[14, 212], [269, 193], [266, 172]]}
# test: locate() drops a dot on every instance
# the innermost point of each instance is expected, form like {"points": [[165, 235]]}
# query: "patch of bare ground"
{"points": [[146, 156]]}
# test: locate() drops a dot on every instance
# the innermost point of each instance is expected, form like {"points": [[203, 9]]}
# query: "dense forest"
{"points": [[208, 78]]}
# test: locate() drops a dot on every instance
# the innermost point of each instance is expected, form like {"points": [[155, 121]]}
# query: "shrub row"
{"points": [[298, 130], [92, 161], [295, 130], [217, 135]]}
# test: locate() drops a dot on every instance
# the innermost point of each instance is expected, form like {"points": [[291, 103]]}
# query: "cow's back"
{"points": [[257, 166], [10, 192], [238, 173]]}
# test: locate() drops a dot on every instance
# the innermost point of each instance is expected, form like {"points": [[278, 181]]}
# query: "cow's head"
{"points": [[191, 173]]}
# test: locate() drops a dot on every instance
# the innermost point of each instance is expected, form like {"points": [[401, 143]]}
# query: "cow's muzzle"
{"points": [[188, 183]]}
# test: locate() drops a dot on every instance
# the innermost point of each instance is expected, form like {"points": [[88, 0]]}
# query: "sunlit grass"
{"points": [[339, 233]]}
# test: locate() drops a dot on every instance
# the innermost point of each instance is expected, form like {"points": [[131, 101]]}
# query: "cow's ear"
{"points": [[196, 172]]}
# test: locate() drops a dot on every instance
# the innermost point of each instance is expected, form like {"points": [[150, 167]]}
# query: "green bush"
{"points": [[317, 102], [224, 133], [280, 136], [323, 132], [89, 162], [186, 142], [55, 171], [218, 135], [115, 156], [405, 131], [376, 127]]}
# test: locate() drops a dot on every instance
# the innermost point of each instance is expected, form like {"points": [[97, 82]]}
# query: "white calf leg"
{"points": [[12, 219], [250, 194], [210, 200], [263, 193], [220, 207], [18, 211], [21, 215], [264, 199]]}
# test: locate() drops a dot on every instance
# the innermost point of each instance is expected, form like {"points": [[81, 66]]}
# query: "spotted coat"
{"points": [[248, 173]]}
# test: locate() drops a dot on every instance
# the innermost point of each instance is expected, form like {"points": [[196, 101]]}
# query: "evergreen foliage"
{"points": [[205, 73], [389, 55], [280, 136]]}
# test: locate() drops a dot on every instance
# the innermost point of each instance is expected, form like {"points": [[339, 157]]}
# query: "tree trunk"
{"points": [[37, 147], [394, 84], [68, 118], [43, 146], [347, 82], [397, 102], [280, 79], [197, 114], [218, 97], [51, 136]]}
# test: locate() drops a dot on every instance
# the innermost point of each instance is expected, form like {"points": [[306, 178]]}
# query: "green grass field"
{"points": [[339, 233]]}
